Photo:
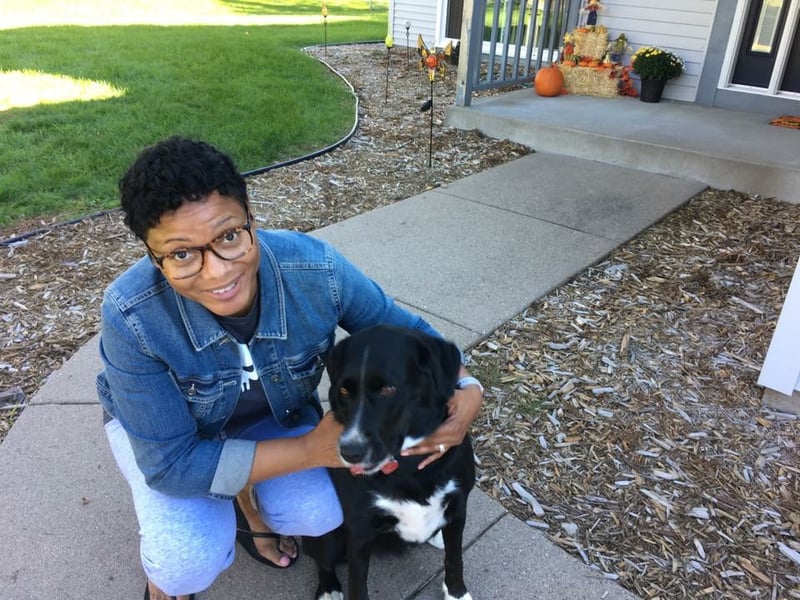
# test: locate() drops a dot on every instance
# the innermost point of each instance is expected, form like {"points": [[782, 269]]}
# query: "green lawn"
{"points": [[78, 102]]}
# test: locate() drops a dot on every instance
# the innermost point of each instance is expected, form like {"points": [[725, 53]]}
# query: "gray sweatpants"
{"points": [[185, 543]]}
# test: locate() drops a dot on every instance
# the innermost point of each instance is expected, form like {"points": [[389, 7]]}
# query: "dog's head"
{"points": [[389, 387]]}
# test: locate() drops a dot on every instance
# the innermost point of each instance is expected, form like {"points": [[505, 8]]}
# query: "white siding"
{"points": [[781, 369], [422, 16], [683, 26]]}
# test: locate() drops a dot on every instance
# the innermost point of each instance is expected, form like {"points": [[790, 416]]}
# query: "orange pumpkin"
{"points": [[549, 81]]}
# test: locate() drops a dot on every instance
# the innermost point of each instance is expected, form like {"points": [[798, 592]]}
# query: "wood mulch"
{"points": [[622, 416]]}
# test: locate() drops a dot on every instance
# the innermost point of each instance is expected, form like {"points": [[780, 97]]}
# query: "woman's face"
{"points": [[226, 288]]}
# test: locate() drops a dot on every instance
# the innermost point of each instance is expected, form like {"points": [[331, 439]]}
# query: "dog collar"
{"points": [[390, 467]]}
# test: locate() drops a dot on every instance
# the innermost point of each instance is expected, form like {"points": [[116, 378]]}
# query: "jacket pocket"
{"points": [[306, 368], [201, 396]]}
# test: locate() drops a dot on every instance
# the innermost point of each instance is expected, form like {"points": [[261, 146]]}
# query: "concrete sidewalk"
{"points": [[467, 257]]}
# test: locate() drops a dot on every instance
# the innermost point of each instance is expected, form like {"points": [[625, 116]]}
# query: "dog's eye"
{"points": [[387, 390]]}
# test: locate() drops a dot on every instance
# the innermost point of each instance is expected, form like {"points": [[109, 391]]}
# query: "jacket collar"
{"points": [[202, 327]]}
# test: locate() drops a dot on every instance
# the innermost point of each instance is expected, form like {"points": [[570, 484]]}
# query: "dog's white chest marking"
{"points": [[447, 595], [418, 522], [409, 441]]}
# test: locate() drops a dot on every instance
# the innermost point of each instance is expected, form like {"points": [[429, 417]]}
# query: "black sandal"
{"points": [[246, 537], [147, 593]]}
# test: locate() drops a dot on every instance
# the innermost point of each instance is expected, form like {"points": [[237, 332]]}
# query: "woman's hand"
{"points": [[324, 442], [462, 409], [317, 448]]}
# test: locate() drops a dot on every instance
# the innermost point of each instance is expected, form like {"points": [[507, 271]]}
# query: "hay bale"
{"points": [[590, 81], [591, 43]]}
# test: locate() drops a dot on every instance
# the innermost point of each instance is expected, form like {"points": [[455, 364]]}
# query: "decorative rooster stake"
{"points": [[434, 62]]}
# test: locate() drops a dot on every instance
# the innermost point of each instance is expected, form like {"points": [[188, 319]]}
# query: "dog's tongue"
{"points": [[390, 467]]}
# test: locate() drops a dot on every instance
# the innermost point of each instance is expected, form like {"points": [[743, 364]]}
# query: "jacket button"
{"points": [[275, 379], [192, 391]]}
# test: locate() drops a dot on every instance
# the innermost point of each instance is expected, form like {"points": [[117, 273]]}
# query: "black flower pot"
{"points": [[652, 90]]}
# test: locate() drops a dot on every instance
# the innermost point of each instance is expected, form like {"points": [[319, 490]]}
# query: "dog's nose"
{"points": [[353, 452]]}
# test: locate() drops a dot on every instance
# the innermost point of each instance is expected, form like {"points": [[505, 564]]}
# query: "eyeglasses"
{"points": [[188, 262]]}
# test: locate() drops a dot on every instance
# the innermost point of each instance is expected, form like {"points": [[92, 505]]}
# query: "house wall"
{"points": [[423, 16], [781, 368], [711, 94], [683, 26]]}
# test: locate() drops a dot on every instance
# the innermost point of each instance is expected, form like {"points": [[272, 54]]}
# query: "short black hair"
{"points": [[174, 171]]}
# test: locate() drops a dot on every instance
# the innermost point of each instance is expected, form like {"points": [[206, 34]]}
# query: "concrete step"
{"points": [[721, 148]]}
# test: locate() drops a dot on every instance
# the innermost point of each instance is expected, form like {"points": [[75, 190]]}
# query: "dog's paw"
{"points": [[447, 595], [335, 595], [436, 540]]}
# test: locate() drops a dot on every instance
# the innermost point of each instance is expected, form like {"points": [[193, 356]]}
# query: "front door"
{"points": [[766, 24], [791, 77]]}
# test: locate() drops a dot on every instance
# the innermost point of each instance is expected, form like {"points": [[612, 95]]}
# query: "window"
{"points": [[766, 31]]}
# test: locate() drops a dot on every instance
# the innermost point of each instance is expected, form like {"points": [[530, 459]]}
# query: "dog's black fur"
{"points": [[389, 384]]}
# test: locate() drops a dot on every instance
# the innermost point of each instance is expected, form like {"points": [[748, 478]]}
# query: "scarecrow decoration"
{"points": [[591, 7]]}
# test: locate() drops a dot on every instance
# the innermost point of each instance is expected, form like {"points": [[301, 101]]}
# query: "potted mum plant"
{"points": [[655, 66]]}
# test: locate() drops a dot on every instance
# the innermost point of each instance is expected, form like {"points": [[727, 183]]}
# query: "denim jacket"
{"points": [[171, 372]]}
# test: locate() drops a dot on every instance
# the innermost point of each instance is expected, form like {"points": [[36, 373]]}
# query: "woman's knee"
{"points": [[318, 519], [186, 564], [303, 503], [185, 553]]}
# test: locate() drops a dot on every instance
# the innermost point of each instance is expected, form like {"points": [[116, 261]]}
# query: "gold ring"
{"points": [[442, 448]]}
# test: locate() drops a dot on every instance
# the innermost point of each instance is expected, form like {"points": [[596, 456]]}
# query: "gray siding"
{"points": [[683, 26]]}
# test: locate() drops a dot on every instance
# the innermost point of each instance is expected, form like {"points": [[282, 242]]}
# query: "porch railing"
{"points": [[504, 42]]}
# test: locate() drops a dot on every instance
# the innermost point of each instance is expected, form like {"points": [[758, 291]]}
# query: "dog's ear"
{"points": [[442, 360], [333, 365]]}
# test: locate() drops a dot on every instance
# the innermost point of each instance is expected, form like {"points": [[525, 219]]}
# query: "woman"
{"points": [[213, 347]]}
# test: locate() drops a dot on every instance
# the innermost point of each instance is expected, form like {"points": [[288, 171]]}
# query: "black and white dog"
{"points": [[390, 387]]}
